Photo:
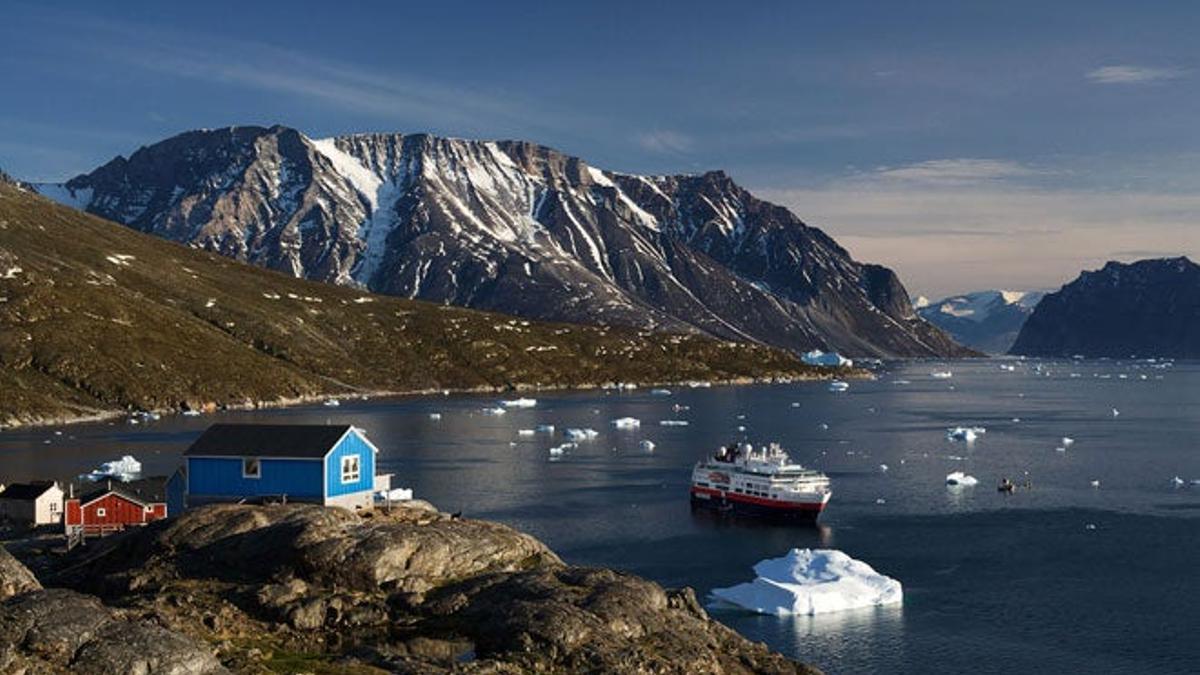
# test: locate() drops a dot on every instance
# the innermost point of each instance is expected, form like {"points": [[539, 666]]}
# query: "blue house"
{"points": [[326, 464]]}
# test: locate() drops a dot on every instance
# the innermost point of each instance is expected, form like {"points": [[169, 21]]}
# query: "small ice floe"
{"points": [[795, 404], [1177, 481], [697, 384], [395, 495], [1060, 449], [647, 445], [581, 434], [823, 426], [125, 469], [559, 450], [838, 385], [545, 428], [881, 501], [660, 392], [435, 416], [332, 403], [809, 582], [1016, 420], [1115, 412], [680, 408], [526, 432], [494, 411], [967, 434], [1067, 441], [941, 374], [519, 403], [1008, 367], [191, 413], [741, 428], [901, 382], [673, 423], [1095, 483], [1089, 526], [883, 468], [960, 479], [627, 423]]}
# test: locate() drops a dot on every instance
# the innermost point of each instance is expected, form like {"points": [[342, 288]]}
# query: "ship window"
{"points": [[251, 468], [350, 472]]}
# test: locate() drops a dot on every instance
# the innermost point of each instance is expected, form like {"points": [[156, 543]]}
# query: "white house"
{"points": [[36, 503]]}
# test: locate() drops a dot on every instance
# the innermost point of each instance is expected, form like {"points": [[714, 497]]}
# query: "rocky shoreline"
{"points": [[293, 401], [303, 588]]}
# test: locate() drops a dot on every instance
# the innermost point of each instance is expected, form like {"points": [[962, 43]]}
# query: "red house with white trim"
{"points": [[113, 508]]}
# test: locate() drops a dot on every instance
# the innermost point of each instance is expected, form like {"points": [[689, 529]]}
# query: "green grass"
{"points": [[101, 318]]}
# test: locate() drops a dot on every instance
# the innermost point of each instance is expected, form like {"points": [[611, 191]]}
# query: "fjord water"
{"points": [[1062, 576]]}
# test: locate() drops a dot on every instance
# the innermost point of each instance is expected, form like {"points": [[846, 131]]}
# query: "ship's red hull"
{"points": [[756, 507]]}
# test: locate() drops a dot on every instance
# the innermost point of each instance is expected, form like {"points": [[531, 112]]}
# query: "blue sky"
{"points": [[967, 144]]}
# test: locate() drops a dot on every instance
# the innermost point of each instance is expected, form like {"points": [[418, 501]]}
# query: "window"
{"points": [[350, 471], [149, 509], [100, 512], [53, 507], [251, 468]]}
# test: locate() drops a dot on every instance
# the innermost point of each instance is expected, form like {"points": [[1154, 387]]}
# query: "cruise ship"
{"points": [[761, 483]]}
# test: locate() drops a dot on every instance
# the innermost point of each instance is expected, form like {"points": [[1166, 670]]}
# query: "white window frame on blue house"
{"points": [[355, 463], [256, 462]]}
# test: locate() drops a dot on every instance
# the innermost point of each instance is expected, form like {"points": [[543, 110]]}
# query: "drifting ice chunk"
{"points": [[673, 423], [968, 434], [1067, 440], [396, 495], [494, 411], [883, 468], [435, 416], [660, 392], [558, 450], [646, 445], [519, 403], [809, 582], [961, 479], [125, 469], [525, 432], [332, 403], [545, 428], [829, 359], [627, 423], [1177, 481], [1115, 412], [941, 374], [838, 385], [581, 434]]}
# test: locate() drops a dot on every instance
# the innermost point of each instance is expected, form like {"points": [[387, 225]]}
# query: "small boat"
{"points": [[838, 385]]}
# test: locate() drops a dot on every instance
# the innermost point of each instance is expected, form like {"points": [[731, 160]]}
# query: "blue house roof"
{"points": [[296, 441]]}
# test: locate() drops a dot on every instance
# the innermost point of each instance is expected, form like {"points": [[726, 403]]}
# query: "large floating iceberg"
{"points": [[808, 582], [819, 358]]}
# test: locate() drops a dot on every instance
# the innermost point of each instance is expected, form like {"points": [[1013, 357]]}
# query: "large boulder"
{"points": [[15, 578]]}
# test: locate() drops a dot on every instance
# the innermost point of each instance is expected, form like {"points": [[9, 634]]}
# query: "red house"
{"points": [[113, 508]]}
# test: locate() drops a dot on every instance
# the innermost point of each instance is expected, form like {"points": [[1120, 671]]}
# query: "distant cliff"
{"points": [[1150, 308]]}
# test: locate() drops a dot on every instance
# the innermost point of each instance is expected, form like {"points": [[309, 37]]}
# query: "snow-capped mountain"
{"points": [[513, 227], [1148, 308], [985, 320]]}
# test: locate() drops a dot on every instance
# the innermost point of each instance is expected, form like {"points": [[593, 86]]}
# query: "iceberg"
{"points": [[838, 385], [519, 403], [958, 478], [545, 428], [647, 445], [809, 582], [627, 423], [125, 469], [968, 434], [581, 434], [817, 357], [435, 416], [941, 374], [525, 432], [494, 411]]}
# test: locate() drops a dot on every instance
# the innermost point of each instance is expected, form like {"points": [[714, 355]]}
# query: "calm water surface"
{"points": [[1064, 576]]}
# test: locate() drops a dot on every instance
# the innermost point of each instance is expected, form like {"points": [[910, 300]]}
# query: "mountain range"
{"points": [[1149, 308], [513, 227], [984, 320], [96, 319]]}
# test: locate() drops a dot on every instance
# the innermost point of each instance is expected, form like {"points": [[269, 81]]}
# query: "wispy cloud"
{"points": [[1126, 74], [665, 141], [952, 224], [957, 171]]}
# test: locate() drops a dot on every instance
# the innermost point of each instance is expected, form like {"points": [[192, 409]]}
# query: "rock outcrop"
{"points": [[410, 591], [55, 630]]}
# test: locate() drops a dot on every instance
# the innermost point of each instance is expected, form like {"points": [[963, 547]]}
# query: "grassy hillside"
{"points": [[96, 318]]}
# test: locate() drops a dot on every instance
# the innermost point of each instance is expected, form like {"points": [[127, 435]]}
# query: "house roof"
{"points": [[143, 491], [27, 491], [268, 440]]}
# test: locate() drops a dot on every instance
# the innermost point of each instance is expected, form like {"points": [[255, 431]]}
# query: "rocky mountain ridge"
{"points": [[1148, 308], [513, 227]]}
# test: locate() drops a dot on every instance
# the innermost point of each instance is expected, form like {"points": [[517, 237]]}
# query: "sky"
{"points": [[968, 145]]}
